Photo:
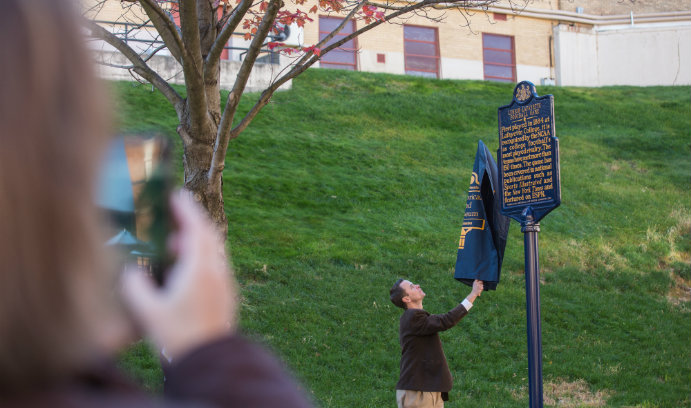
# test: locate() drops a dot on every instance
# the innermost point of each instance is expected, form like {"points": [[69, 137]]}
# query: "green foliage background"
{"points": [[351, 180]]}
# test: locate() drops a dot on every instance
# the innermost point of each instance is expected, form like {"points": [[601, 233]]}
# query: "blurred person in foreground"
{"points": [[64, 309]]}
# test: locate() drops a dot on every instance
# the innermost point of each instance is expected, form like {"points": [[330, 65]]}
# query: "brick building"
{"points": [[567, 42]]}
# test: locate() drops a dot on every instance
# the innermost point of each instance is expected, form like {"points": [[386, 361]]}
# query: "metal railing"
{"points": [[156, 44]]}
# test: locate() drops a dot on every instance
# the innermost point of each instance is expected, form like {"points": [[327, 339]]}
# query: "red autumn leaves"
{"points": [[368, 14]]}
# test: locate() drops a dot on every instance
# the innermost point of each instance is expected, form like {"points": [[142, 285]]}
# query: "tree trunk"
{"points": [[198, 152], [199, 146]]}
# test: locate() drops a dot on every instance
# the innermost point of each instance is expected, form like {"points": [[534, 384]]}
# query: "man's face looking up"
{"points": [[413, 292]]}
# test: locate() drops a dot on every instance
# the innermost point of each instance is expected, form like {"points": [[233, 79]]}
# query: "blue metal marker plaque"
{"points": [[528, 155]]}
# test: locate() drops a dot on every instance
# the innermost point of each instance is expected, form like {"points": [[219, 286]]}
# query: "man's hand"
{"points": [[478, 287]]}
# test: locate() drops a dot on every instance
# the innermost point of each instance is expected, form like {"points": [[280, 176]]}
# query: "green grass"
{"points": [[350, 180]]}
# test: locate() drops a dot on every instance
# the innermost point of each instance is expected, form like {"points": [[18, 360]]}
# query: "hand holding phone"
{"points": [[198, 302]]}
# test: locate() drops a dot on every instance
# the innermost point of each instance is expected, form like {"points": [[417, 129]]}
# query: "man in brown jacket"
{"points": [[425, 379]]}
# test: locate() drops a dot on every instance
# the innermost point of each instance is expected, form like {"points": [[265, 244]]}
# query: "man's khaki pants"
{"points": [[418, 399]]}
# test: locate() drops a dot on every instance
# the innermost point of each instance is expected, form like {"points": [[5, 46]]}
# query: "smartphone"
{"points": [[134, 192], [153, 217]]}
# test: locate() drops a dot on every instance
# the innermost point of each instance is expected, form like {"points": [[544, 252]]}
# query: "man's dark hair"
{"points": [[397, 293]]}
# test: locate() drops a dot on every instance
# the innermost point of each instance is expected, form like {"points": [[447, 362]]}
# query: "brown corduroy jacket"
{"points": [[423, 364]]}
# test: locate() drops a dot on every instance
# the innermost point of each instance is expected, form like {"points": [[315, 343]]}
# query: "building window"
{"points": [[421, 51], [499, 57], [343, 57]]}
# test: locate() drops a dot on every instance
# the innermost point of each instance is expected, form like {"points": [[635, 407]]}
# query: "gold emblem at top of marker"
{"points": [[523, 93]]}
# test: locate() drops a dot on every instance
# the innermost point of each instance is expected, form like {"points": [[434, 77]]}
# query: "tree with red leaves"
{"points": [[196, 41]]}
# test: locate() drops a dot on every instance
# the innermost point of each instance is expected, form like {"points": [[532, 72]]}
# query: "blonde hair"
{"points": [[53, 281]]}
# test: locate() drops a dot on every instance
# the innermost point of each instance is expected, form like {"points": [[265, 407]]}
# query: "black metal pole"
{"points": [[532, 295]]}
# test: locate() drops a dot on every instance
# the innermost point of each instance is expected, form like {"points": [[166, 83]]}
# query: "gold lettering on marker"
{"points": [[526, 154]]}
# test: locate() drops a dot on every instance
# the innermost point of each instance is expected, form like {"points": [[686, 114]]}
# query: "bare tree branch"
{"points": [[326, 39], [465, 4], [233, 22], [386, 6], [338, 29], [193, 66], [140, 66], [189, 24], [263, 100], [128, 67], [223, 135], [154, 52], [107, 64], [166, 28], [95, 9]]}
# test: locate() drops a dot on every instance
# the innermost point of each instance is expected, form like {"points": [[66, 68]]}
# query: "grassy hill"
{"points": [[350, 180]]}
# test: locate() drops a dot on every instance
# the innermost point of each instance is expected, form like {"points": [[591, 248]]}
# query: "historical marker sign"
{"points": [[530, 188], [528, 155]]}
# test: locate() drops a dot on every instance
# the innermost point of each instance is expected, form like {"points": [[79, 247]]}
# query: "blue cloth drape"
{"points": [[484, 230]]}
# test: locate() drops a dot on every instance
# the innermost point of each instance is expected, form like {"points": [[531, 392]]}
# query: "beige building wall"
{"points": [[642, 56], [614, 7], [576, 56], [645, 56], [385, 39]]}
